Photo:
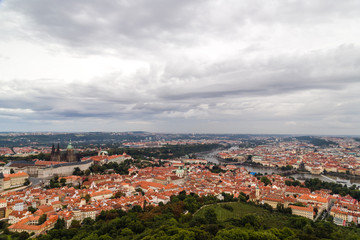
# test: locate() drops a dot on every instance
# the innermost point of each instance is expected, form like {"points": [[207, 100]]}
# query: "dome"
{"points": [[70, 146]]}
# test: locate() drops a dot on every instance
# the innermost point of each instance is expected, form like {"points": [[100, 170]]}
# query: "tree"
{"points": [[87, 198], [210, 216], [136, 226], [119, 194], [182, 195], [126, 232], [227, 207], [60, 224], [78, 172], [23, 236], [139, 190], [3, 224], [267, 207], [265, 180], [288, 210], [41, 156], [12, 171], [27, 182], [42, 219], [316, 210], [32, 209], [191, 203], [280, 207], [63, 181], [75, 224], [136, 208], [298, 223], [88, 221]]}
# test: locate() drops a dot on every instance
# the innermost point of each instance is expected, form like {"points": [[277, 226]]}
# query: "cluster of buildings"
{"points": [[161, 143], [342, 159], [57, 154], [346, 210], [62, 163], [5, 151], [9, 181], [155, 185], [45, 169], [103, 157], [18, 151]]}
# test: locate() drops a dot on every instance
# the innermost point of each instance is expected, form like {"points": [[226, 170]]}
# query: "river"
{"points": [[211, 157]]}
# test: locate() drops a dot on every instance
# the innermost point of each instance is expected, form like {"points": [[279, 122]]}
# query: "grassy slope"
{"points": [[241, 209]]}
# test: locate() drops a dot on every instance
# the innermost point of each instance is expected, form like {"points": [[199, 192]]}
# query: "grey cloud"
{"points": [[332, 70], [109, 23], [181, 81], [276, 77], [125, 22]]}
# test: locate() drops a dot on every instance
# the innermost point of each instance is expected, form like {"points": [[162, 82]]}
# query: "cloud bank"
{"points": [[184, 66]]}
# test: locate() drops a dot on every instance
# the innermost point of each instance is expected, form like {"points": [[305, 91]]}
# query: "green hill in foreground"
{"points": [[181, 219], [238, 210]]}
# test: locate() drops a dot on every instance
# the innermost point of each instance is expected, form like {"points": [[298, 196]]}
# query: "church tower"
{"points": [[52, 155], [58, 153], [70, 153], [257, 192], [55, 154]]}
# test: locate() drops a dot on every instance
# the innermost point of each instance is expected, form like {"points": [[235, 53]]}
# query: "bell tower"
{"points": [[70, 153]]}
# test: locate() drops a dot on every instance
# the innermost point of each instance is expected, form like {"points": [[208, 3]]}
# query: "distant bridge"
{"points": [[330, 179]]}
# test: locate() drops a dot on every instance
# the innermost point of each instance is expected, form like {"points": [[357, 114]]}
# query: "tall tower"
{"points": [[257, 192], [70, 153], [58, 153], [52, 155], [55, 154]]}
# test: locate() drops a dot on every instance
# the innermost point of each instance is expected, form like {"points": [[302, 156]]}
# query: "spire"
{"points": [[58, 148], [53, 149]]}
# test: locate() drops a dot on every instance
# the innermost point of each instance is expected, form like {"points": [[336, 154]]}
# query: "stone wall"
{"points": [[63, 170]]}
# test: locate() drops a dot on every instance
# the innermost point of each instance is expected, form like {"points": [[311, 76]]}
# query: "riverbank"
{"points": [[342, 175], [258, 168]]}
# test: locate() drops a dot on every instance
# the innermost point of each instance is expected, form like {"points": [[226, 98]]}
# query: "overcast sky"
{"points": [[286, 66]]}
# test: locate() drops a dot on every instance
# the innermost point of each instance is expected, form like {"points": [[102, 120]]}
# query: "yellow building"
{"points": [[273, 202], [307, 212], [13, 180], [29, 225]]}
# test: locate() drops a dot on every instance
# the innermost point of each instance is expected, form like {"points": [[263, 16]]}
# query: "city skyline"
{"points": [[180, 67]]}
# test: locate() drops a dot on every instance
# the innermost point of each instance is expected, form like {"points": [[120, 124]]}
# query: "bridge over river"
{"points": [[211, 157]]}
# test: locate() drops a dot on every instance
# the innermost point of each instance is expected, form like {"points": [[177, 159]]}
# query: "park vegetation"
{"points": [[189, 216]]}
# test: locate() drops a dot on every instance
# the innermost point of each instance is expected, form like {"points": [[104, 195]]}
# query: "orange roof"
{"points": [[45, 208], [103, 192], [55, 202], [273, 199], [160, 178], [313, 197], [18, 174], [144, 184], [306, 209], [23, 224], [46, 163]]}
